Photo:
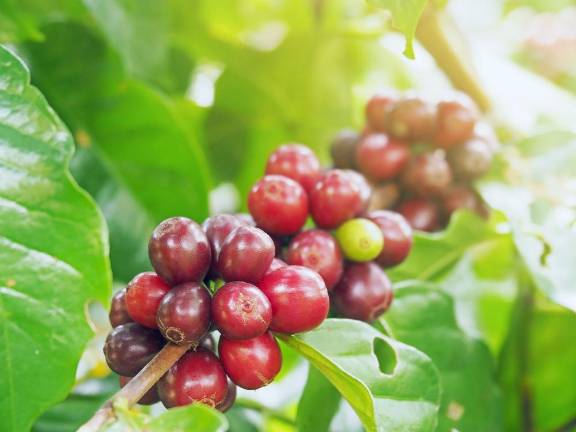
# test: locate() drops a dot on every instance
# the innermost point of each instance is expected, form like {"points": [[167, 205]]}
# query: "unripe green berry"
{"points": [[360, 239]]}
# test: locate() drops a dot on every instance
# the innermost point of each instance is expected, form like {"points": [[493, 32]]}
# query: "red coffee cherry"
{"points": [[397, 237], [343, 149], [455, 123], [428, 174], [421, 214], [118, 313], [297, 162], [377, 110], [411, 119], [143, 296], [380, 157], [217, 228]]}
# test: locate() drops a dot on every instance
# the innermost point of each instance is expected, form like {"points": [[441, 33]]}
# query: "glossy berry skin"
{"points": [[297, 162], [377, 110], [179, 251], [246, 218], [184, 313], [319, 251], [411, 119], [275, 265], [428, 174], [421, 214], [363, 186], [149, 398], [246, 255], [251, 363], [229, 399], [143, 296], [299, 299], [118, 312], [471, 159], [198, 377], [241, 311], [336, 198], [454, 123], [217, 228], [208, 342], [343, 149], [397, 237], [279, 205], [364, 292], [129, 347], [461, 198], [380, 157], [360, 239]]}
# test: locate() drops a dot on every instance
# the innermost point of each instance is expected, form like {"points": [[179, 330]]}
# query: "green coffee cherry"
{"points": [[360, 239]]}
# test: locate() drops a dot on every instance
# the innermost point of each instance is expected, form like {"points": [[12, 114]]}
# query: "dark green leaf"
{"points": [[318, 404], [53, 257]]}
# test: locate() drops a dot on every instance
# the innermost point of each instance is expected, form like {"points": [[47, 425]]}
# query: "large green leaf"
{"points": [[311, 414], [391, 386], [141, 134], [53, 254], [424, 318]]}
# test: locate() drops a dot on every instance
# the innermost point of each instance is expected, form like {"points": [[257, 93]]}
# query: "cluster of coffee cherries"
{"points": [[421, 156]]}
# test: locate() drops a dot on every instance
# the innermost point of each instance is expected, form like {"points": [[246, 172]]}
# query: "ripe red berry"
{"points": [[299, 299], [297, 162], [319, 251], [421, 214], [461, 197], [397, 237], [251, 363], [241, 311], [380, 157], [343, 149], [198, 377], [364, 292], [184, 313], [229, 399], [129, 347], [118, 312], [279, 205], [246, 255], [428, 173], [143, 296], [412, 119], [217, 228], [377, 110], [276, 264], [455, 123], [336, 198], [363, 186], [179, 251], [149, 398], [471, 159]]}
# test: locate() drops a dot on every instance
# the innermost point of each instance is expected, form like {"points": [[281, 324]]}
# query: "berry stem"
{"points": [[439, 35], [131, 393]]}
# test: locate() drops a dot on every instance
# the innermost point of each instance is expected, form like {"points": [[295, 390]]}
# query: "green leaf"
{"points": [[424, 318], [391, 386], [193, 417], [53, 257], [141, 134], [405, 17], [313, 415]]}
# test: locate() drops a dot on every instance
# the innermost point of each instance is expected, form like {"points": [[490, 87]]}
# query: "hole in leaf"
{"points": [[386, 356]]}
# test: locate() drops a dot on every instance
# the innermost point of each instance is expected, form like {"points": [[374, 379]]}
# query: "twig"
{"points": [[137, 386]]}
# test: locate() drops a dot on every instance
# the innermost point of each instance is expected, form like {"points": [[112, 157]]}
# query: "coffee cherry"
{"points": [[297, 162], [412, 119], [241, 311], [360, 239], [143, 296], [251, 363], [343, 149], [184, 313], [118, 312], [217, 228], [129, 347], [246, 255], [384, 196], [208, 342], [454, 123], [276, 264], [299, 299], [471, 159], [179, 251], [377, 109], [319, 251], [364, 292], [336, 198], [229, 399], [149, 398], [363, 186], [421, 214], [428, 173], [397, 237], [278, 204], [198, 377], [461, 197], [246, 218], [380, 157]]}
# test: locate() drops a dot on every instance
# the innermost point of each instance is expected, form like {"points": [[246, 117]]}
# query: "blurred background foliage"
{"points": [[175, 106]]}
